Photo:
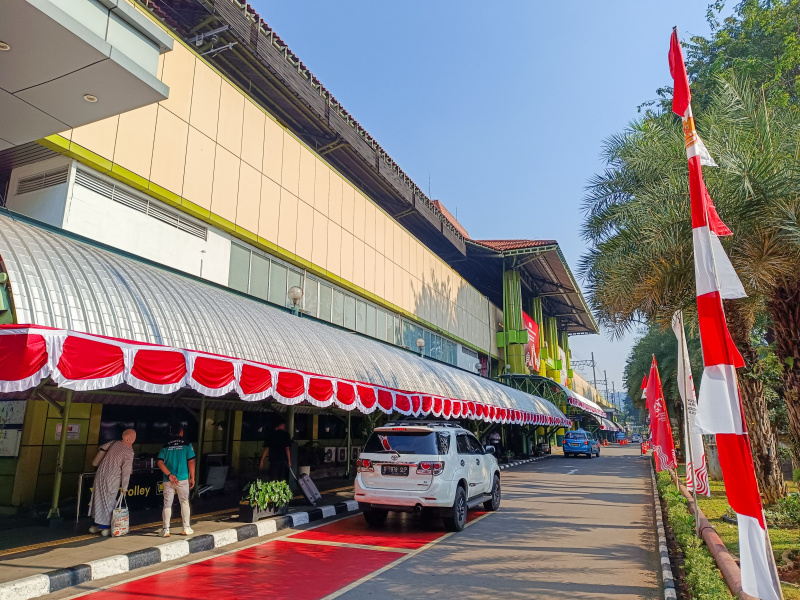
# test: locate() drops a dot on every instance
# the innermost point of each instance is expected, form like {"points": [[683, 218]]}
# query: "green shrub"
{"points": [[785, 513], [702, 577], [796, 475], [265, 495]]}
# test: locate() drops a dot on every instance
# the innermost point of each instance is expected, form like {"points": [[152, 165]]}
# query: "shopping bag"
{"points": [[120, 518]]}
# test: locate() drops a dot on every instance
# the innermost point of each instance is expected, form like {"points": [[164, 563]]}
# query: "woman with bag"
{"points": [[115, 463]]}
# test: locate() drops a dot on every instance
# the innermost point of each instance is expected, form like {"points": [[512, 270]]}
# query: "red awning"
{"points": [[80, 361]]}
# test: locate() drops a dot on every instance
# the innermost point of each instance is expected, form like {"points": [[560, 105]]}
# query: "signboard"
{"points": [[145, 490], [532, 358], [12, 414], [73, 431]]}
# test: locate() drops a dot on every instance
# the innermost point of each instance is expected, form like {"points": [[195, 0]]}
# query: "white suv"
{"points": [[438, 468]]}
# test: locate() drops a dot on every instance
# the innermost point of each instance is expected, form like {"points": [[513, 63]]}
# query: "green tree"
{"points": [[640, 262]]}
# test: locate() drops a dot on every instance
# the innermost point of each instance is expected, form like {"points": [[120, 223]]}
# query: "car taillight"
{"points": [[428, 467], [364, 465]]}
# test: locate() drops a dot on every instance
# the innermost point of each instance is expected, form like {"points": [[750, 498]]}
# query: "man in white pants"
{"points": [[176, 461]]}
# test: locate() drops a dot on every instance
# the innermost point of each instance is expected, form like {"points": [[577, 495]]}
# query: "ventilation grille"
{"points": [[138, 203], [43, 180]]}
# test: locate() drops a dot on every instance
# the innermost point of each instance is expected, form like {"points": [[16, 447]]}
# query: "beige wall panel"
{"points": [[405, 248], [205, 100], [334, 247], [380, 231], [273, 150], [380, 275], [359, 218], [225, 191], [269, 212], [231, 118], [135, 134], [287, 227], [348, 206], [98, 137], [358, 262], [322, 176], [249, 198], [369, 223], [388, 237], [397, 243], [335, 198], [290, 172], [412, 257], [253, 135], [178, 74], [388, 281], [369, 269], [319, 244], [421, 252], [399, 292], [347, 255], [305, 230], [160, 67], [169, 151], [199, 178], [307, 176], [416, 294]]}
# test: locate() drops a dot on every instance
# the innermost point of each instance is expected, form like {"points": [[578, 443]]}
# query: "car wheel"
{"points": [[457, 519], [375, 518], [494, 503]]}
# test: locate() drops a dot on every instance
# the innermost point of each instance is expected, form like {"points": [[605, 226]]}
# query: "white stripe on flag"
{"points": [[712, 267], [718, 406], [699, 149], [755, 560]]}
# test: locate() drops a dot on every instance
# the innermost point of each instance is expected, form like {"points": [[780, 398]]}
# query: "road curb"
{"points": [[663, 550], [523, 462], [59, 579]]}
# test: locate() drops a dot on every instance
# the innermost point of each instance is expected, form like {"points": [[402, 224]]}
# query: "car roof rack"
{"points": [[423, 422]]}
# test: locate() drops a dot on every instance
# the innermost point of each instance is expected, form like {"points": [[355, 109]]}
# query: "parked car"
{"points": [[636, 439], [436, 467], [581, 441]]}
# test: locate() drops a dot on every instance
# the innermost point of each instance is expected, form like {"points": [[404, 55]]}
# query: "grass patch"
{"points": [[702, 579]]}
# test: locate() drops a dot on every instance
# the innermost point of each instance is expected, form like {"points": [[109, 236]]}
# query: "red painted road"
{"points": [[302, 569]]}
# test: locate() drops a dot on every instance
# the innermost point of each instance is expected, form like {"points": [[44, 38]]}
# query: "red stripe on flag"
{"points": [[718, 346], [738, 471], [682, 96], [83, 358]]}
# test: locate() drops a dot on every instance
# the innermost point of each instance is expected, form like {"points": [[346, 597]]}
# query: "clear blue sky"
{"points": [[503, 105]]}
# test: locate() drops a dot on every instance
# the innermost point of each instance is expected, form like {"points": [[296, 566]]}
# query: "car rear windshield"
{"points": [[408, 442], [575, 436]]}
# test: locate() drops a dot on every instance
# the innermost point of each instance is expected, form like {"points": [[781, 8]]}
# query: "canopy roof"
{"points": [[97, 317], [575, 399]]}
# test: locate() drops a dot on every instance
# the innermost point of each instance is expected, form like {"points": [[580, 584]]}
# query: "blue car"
{"points": [[580, 442]]}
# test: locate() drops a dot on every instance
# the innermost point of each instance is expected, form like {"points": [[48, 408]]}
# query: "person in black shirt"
{"points": [[278, 445]]}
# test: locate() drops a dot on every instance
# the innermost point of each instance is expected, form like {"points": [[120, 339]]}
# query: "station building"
{"points": [[193, 227]]}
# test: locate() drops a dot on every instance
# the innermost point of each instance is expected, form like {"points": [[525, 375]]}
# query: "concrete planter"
{"points": [[250, 514]]}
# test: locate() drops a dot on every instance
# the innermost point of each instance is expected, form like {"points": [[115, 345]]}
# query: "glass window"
{"points": [[239, 271], [371, 314], [404, 442], [277, 284], [462, 444], [259, 276], [382, 324], [429, 345], [361, 316], [349, 312], [395, 333], [338, 308], [311, 297], [474, 445], [294, 279], [325, 302]]}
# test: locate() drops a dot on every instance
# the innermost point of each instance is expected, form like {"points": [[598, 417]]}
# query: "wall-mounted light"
{"points": [[295, 295], [420, 345]]}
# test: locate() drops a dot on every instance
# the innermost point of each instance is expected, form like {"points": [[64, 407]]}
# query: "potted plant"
{"points": [[264, 499]]}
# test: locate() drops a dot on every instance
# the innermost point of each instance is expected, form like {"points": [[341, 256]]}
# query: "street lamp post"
{"points": [[295, 295], [421, 346]]}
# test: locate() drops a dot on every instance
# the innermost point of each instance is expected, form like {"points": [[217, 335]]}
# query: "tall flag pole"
{"points": [[719, 409], [660, 429]]}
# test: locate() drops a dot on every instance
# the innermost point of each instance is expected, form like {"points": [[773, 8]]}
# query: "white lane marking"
{"points": [[572, 472]]}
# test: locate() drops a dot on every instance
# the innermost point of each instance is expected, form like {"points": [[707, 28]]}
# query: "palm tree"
{"points": [[640, 263]]}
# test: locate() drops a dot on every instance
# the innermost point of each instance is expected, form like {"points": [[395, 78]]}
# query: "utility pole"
{"points": [[605, 381], [613, 394], [594, 373]]}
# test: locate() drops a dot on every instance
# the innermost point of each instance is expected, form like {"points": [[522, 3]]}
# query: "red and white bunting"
{"points": [[660, 428], [81, 362], [719, 406]]}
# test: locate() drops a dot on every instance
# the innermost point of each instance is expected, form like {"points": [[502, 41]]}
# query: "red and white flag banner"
{"points": [[696, 469], [719, 409], [78, 361], [660, 429]]}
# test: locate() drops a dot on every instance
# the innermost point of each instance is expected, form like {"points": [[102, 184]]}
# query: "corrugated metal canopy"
{"points": [[67, 282]]}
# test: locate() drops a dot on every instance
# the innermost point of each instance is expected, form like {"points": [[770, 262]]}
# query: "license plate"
{"points": [[395, 470]]}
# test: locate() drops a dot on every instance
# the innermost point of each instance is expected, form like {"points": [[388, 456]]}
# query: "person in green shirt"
{"points": [[176, 461]]}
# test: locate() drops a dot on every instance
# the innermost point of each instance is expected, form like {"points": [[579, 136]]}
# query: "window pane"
{"points": [[325, 302], [361, 317], [294, 279], [349, 312], [239, 272], [310, 298], [393, 329], [259, 276], [429, 349], [371, 310], [338, 308], [381, 325], [277, 284]]}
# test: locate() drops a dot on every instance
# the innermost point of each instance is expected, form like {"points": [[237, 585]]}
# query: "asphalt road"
{"points": [[570, 528]]}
